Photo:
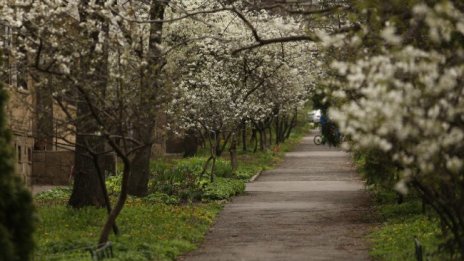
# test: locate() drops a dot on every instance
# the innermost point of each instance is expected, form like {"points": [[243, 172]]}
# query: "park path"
{"points": [[312, 207]]}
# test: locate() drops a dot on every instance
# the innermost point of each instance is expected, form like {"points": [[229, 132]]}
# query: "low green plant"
{"points": [[400, 225], [113, 184], [223, 188], [149, 231], [158, 197], [60, 193]]}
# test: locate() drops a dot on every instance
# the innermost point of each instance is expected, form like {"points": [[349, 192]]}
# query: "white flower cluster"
{"points": [[216, 90], [409, 101]]}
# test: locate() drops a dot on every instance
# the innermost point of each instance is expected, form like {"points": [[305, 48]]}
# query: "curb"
{"points": [[256, 176]]}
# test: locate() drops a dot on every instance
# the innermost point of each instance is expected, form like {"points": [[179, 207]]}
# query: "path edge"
{"points": [[256, 176]]}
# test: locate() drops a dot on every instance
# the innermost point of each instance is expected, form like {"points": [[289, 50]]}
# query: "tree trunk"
{"points": [[233, 154], [270, 134], [86, 187], [140, 172], [102, 184], [262, 139], [138, 180], [254, 139], [111, 220], [244, 138], [292, 124], [190, 143], [277, 130]]}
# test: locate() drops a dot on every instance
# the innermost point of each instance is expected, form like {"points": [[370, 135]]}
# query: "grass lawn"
{"points": [[393, 239], [148, 231]]}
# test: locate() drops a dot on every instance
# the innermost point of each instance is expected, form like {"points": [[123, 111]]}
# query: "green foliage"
{"points": [[183, 179], [55, 194], [149, 231], [400, 224], [375, 167], [158, 197], [113, 184], [223, 188], [16, 210]]}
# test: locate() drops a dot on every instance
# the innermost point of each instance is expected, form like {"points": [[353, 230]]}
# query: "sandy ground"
{"points": [[312, 207]]}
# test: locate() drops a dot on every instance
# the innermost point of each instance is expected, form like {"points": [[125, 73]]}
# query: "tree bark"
{"points": [[86, 188], [233, 154], [138, 180], [190, 143], [140, 172], [244, 138], [104, 235]]}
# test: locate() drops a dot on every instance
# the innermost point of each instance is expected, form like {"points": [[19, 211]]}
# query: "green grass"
{"points": [[148, 231], [393, 239]]}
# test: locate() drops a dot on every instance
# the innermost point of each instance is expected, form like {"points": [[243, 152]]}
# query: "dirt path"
{"points": [[312, 207]]}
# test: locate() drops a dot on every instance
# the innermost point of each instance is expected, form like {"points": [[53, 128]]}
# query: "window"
{"points": [[19, 154], [29, 154]]}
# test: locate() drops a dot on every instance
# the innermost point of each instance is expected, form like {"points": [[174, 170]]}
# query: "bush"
{"points": [[376, 167], [16, 210]]}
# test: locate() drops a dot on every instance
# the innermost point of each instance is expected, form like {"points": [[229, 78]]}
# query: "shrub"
{"points": [[16, 210]]}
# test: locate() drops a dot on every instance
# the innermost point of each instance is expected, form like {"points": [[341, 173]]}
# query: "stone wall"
{"points": [[23, 157], [52, 167], [55, 167]]}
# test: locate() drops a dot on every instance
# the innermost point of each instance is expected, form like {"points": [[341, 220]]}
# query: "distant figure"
{"points": [[324, 120], [329, 130]]}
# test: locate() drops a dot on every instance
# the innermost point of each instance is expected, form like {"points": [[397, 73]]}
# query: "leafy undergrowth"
{"points": [[400, 224], [148, 231], [223, 188]]}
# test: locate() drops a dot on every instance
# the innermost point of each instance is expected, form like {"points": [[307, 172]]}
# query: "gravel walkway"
{"points": [[312, 207]]}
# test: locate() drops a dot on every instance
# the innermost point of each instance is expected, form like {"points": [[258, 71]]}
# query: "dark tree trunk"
{"points": [[140, 172], [277, 130], [262, 139], [138, 180], [190, 143], [233, 154], [244, 138], [269, 127], [224, 144], [292, 124], [100, 171], [111, 220], [86, 187], [254, 139]]}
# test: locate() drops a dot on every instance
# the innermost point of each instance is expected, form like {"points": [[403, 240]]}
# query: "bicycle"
{"points": [[318, 139]]}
